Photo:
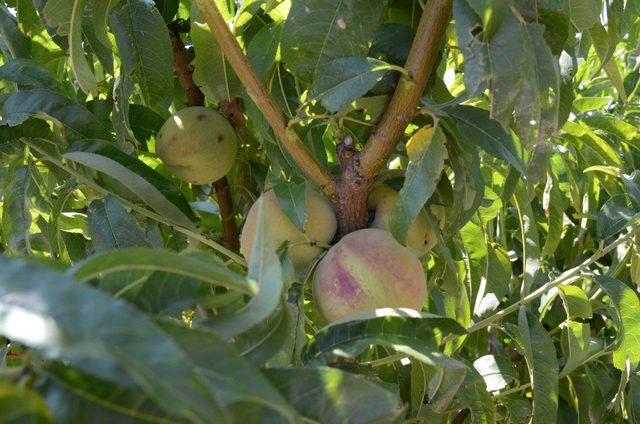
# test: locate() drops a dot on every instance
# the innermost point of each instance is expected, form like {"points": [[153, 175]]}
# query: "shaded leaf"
{"points": [[207, 268], [265, 271], [111, 226], [345, 79], [329, 395], [101, 336], [412, 333], [19, 405], [28, 73], [427, 153], [336, 28], [543, 367], [136, 183], [145, 49], [45, 104]]}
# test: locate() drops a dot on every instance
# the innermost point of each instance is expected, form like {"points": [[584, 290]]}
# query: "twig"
{"points": [[566, 278], [195, 97], [264, 101]]}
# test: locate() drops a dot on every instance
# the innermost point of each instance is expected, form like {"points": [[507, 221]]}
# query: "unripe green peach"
{"points": [[320, 227], [198, 145], [366, 270], [421, 237]]}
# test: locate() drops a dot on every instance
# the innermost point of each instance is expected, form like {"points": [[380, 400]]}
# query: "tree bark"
{"points": [[195, 97]]}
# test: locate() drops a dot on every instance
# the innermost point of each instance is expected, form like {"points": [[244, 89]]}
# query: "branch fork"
{"points": [[348, 193]]}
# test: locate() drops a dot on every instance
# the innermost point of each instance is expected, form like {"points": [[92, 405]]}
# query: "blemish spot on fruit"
{"points": [[201, 117], [220, 138]]}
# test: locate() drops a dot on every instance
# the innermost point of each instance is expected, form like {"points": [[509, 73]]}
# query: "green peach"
{"points": [[366, 270], [197, 145], [421, 237], [320, 227]]}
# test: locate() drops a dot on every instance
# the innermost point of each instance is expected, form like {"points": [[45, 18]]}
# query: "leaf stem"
{"points": [[263, 99]]}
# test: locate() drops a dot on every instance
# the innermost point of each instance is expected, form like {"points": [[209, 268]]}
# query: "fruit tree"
{"points": [[332, 211]]}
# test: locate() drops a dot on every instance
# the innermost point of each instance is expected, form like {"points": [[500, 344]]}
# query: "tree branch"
{"points": [[195, 97], [567, 277], [422, 57], [264, 101]]}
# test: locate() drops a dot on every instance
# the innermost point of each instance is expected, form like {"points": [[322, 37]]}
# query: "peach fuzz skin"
{"points": [[366, 270]]}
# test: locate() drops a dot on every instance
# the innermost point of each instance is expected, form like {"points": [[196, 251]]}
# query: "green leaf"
{"points": [[586, 104], [28, 73], [443, 388], [207, 268], [413, 333], [554, 208], [578, 346], [292, 199], [166, 187], [136, 183], [612, 125], [427, 153], [46, 104], [267, 339], [317, 31], [474, 395], [67, 16], [497, 371], [19, 405], [66, 321], [543, 367], [231, 377], [262, 50], [211, 72], [627, 305], [492, 13], [265, 270], [345, 79], [478, 128], [145, 49], [13, 43], [330, 395], [16, 211], [584, 13], [576, 302], [167, 8], [598, 145], [111, 226], [615, 216], [74, 396]]}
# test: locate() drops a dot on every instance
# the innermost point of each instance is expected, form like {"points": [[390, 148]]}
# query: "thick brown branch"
{"points": [[422, 57], [264, 101], [183, 69], [362, 168], [195, 97]]}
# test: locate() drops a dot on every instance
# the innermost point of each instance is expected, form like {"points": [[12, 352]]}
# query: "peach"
{"points": [[366, 270], [197, 145], [320, 227], [421, 237]]}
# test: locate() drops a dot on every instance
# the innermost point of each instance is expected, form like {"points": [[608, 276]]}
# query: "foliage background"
{"points": [[119, 301]]}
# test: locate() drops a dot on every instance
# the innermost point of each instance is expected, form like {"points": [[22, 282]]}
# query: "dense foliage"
{"points": [[123, 293]]}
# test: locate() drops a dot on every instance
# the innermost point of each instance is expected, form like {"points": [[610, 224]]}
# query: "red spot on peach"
{"points": [[220, 138], [201, 117]]}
